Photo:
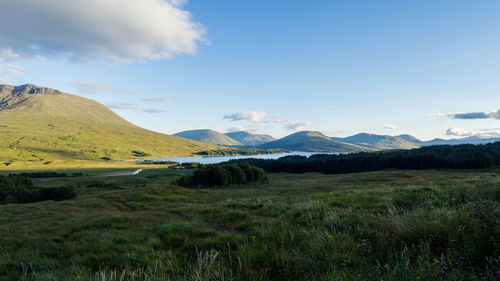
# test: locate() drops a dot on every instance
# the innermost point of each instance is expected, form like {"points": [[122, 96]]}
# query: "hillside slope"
{"points": [[378, 142], [209, 136], [43, 125], [312, 141], [250, 139]]}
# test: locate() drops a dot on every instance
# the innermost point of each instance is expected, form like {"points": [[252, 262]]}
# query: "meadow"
{"points": [[384, 225]]}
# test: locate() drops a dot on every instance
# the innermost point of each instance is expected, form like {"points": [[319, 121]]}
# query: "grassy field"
{"points": [[387, 225]]}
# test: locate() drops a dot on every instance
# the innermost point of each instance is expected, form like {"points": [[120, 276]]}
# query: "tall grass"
{"points": [[426, 226]]}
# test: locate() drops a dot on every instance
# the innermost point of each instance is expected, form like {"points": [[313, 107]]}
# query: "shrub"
{"points": [[58, 193], [19, 189], [223, 175]]}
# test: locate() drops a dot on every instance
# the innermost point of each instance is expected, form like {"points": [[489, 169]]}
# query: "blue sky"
{"points": [[340, 67]]}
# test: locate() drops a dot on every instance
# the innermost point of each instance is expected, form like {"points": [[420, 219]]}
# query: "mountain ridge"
{"points": [[312, 141], [208, 136], [43, 125], [250, 139]]}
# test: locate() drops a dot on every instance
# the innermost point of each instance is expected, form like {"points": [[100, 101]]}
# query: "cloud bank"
{"points": [[253, 116], [469, 115], [478, 115], [122, 105], [97, 30], [459, 132], [480, 133]]}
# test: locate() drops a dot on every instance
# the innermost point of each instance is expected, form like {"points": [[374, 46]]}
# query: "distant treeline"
{"points": [[19, 189], [243, 151], [49, 175], [465, 156], [222, 175]]}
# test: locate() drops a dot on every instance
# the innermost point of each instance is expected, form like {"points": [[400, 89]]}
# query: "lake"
{"points": [[219, 159]]}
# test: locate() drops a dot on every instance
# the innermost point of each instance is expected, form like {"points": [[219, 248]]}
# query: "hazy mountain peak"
{"points": [[208, 136], [250, 139]]}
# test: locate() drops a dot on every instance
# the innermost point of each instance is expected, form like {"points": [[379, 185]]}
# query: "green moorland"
{"points": [[385, 225], [45, 128]]}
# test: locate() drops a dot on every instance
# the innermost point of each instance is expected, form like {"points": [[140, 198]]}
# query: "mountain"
{"points": [[467, 140], [209, 136], [43, 125], [378, 142], [249, 139], [410, 138], [312, 141]]}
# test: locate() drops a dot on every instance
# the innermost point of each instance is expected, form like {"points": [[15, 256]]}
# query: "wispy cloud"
{"points": [[481, 133], [135, 30], [157, 99], [253, 116], [469, 115], [97, 88], [152, 110], [477, 115], [8, 68], [251, 129], [262, 118], [122, 105], [389, 126], [297, 126]]}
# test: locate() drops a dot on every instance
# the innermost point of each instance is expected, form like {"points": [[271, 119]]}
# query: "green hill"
{"points": [[312, 141], [249, 139], [43, 125], [209, 136], [378, 142]]}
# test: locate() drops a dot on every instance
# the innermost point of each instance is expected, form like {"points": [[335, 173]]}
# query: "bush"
{"points": [[223, 175], [58, 193], [19, 189]]}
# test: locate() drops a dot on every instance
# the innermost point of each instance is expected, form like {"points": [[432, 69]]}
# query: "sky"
{"points": [[426, 68]]}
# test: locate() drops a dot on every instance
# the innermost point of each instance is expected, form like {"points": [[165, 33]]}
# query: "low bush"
{"points": [[19, 189], [223, 175]]}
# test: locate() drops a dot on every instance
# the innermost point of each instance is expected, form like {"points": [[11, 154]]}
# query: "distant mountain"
{"points": [[312, 141], [379, 142], [249, 139], [43, 125], [467, 140], [209, 136], [410, 138]]}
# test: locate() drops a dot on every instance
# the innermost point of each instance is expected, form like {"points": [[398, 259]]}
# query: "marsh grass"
{"points": [[389, 225]]}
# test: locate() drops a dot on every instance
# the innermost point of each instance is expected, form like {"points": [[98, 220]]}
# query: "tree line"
{"points": [[223, 175], [466, 156], [20, 189]]}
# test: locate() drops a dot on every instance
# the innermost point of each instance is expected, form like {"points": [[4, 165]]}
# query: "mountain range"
{"points": [[316, 141], [42, 125]]}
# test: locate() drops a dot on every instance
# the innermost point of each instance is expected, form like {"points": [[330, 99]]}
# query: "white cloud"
{"points": [[469, 115], [297, 126], [152, 110], [253, 116], [439, 114], [7, 68], [459, 132], [389, 126], [477, 115], [97, 30], [96, 88], [158, 99], [237, 129], [122, 105]]}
